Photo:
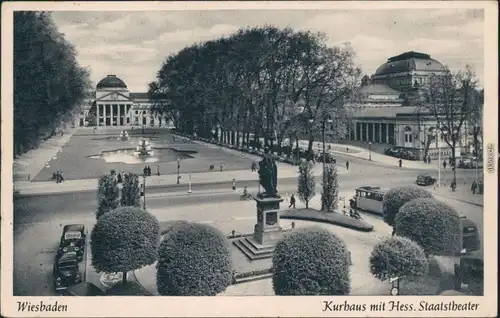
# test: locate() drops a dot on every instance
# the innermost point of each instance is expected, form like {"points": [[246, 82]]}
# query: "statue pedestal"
{"points": [[267, 230]]}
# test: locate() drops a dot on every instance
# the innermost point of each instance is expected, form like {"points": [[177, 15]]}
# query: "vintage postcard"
{"points": [[249, 159]]}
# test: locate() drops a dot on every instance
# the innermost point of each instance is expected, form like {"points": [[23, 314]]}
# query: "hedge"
{"points": [[395, 198], [433, 225], [124, 240], [311, 261], [398, 257], [195, 260]]}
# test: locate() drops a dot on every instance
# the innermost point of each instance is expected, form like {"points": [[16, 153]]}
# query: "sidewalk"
{"points": [[285, 171], [28, 165], [462, 193]]}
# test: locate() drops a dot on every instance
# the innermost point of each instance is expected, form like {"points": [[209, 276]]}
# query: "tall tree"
{"points": [[306, 183], [49, 84], [451, 99], [131, 192], [107, 194]]}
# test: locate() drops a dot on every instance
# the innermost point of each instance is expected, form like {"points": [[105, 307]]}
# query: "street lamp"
{"points": [[178, 170], [437, 133], [144, 191], [143, 117], [323, 128], [370, 151]]}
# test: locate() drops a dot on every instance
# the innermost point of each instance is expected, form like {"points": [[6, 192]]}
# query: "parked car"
{"points": [[66, 271], [329, 158], [425, 180], [468, 268], [469, 162], [400, 152], [73, 240]]}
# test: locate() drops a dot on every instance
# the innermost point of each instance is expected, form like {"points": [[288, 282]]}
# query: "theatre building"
{"points": [[382, 117], [113, 105]]}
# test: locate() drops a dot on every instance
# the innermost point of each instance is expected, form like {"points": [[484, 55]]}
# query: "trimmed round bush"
{"points": [[395, 198], [195, 260], [398, 257], [311, 261], [432, 224], [124, 240]]}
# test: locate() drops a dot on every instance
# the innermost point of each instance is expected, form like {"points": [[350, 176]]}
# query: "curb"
{"points": [[338, 223]]}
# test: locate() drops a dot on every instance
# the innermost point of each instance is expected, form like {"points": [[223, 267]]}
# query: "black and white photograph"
{"points": [[249, 149]]}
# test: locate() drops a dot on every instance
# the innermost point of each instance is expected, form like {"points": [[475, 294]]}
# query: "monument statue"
{"points": [[268, 175]]}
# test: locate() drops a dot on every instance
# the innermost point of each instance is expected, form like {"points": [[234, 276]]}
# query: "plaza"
{"points": [[38, 218]]}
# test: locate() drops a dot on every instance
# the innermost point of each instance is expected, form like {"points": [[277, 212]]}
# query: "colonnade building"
{"points": [[383, 117], [113, 105]]}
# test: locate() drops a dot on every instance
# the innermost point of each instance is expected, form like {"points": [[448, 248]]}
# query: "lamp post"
{"points": [[437, 132], [323, 128], [370, 151], [144, 191], [143, 117], [178, 170]]}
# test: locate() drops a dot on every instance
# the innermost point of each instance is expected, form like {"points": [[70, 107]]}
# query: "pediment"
{"points": [[114, 96]]}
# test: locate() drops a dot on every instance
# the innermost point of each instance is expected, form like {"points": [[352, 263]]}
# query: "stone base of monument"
{"points": [[267, 231]]}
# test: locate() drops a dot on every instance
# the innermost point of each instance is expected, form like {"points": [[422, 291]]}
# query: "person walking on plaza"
{"points": [[444, 164], [158, 169], [149, 171], [61, 177], [221, 167], [400, 162], [292, 201], [254, 166], [428, 159], [145, 170], [347, 164], [474, 187]]}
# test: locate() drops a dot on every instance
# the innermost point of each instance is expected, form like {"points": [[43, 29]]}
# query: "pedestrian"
{"points": [[61, 177], [254, 166], [347, 164], [474, 187], [149, 170], [444, 164], [145, 170], [158, 169], [400, 162], [428, 159], [292, 201], [58, 179], [221, 166], [347, 149], [425, 159]]}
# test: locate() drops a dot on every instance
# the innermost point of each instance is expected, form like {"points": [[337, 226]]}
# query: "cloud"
{"points": [[133, 45]]}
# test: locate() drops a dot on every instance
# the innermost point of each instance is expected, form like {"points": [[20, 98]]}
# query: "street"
{"points": [[38, 220]]}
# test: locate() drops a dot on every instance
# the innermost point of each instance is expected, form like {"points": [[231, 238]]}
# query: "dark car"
{"points": [[402, 153], [329, 158], [468, 267], [425, 180], [66, 271], [73, 240]]}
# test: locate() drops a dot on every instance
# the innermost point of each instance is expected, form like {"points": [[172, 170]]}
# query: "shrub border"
{"points": [[321, 220]]}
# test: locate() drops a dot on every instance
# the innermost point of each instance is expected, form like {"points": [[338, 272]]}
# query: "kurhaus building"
{"points": [[113, 105], [382, 116]]}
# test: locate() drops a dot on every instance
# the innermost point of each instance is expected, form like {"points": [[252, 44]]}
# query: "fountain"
{"points": [[124, 135], [144, 148]]}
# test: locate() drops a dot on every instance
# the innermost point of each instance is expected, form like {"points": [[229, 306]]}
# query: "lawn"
{"points": [[73, 159]]}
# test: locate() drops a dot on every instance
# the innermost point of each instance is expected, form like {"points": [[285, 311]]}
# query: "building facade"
{"points": [[382, 117], [113, 105]]}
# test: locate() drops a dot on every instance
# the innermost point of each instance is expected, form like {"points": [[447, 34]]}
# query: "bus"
{"points": [[368, 199]]}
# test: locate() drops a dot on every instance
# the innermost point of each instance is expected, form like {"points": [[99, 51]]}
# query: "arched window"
{"points": [[408, 137]]}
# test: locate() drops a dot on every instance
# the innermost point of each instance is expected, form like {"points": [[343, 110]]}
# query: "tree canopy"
{"points": [[263, 81], [49, 84]]}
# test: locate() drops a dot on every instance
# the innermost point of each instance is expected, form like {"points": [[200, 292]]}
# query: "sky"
{"points": [[133, 45]]}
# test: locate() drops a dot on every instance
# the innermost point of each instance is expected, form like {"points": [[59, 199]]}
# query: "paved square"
{"points": [[79, 158]]}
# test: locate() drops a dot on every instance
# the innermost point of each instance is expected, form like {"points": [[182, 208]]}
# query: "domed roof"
{"points": [[410, 61], [111, 81]]}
